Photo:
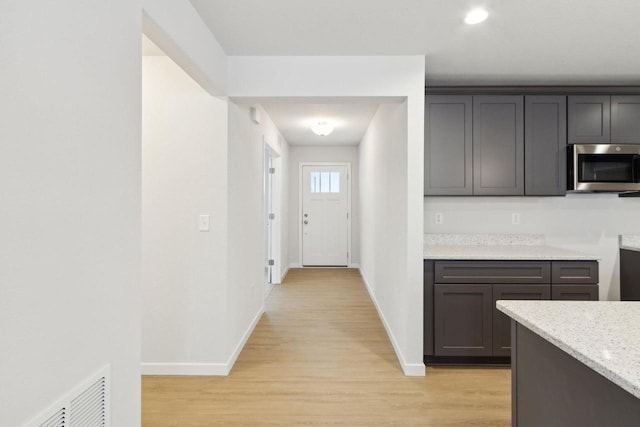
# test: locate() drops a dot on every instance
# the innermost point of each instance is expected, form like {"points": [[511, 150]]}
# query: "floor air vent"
{"points": [[86, 406], [59, 419], [89, 409]]}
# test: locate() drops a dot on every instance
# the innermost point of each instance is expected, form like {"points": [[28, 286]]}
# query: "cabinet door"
{"points": [[498, 145], [447, 151], [589, 119], [575, 292], [545, 146], [463, 317], [625, 119], [502, 322], [629, 274]]}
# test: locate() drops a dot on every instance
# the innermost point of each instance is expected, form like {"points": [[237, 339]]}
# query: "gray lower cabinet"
{"points": [[629, 275], [462, 320], [502, 322], [448, 146], [498, 145], [589, 119], [545, 146]]}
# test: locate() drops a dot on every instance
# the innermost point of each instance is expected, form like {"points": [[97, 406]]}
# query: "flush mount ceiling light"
{"points": [[322, 128], [476, 16]]}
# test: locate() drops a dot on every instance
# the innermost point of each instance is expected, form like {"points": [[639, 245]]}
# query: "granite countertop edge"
{"points": [[592, 363]]}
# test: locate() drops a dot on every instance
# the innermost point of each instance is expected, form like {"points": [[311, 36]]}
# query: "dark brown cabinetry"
{"points": [[545, 146], [629, 275], [589, 119], [502, 322], [498, 145], [494, 146], [463, 317], [460, 318], [448, 146], [625, 119], [603, 119]]}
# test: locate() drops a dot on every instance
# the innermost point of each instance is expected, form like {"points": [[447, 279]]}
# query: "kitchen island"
{"points": [[575, 363]]}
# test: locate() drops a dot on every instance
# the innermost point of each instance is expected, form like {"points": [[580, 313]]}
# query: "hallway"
{"points": [[320, 356]]}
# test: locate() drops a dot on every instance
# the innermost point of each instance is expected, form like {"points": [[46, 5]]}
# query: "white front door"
{"points": [[325, 215]]}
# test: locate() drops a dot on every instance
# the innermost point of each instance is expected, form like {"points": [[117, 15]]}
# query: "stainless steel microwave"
{"points": [[603, 167]]}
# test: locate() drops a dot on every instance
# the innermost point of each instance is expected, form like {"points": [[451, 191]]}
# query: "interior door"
{"points": [[325, 215]]}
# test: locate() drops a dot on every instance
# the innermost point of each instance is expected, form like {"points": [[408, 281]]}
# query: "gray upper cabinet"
{"points": [[545, 142], [498, 145], [448, 152], [625, 119], [589, 119]]}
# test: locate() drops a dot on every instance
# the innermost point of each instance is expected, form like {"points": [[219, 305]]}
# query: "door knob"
{"points": [[306, 222]]}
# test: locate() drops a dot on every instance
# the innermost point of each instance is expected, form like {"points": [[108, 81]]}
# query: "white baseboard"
{"points": [[409, 369], [213, 369], [217, 369], [244, 339], [355, 265]]}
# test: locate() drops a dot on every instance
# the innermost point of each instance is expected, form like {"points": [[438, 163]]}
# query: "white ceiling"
{"points": [[294, 120], [522, 42]]}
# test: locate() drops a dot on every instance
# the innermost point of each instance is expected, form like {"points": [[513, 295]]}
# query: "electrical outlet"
{"points": [[515, 218], [439, 218]]}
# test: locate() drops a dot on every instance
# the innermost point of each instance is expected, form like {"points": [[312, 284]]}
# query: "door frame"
{"points": [[300, 200], [276, 230]]}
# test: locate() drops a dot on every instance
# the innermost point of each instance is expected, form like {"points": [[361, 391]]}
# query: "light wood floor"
{"points": [[320, 356]]}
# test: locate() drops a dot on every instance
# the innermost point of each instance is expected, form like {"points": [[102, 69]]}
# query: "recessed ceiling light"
{"points": [[322, 128], [476, 16]]}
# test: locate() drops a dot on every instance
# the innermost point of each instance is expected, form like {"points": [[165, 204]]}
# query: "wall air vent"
{"points": [[87, 405]]}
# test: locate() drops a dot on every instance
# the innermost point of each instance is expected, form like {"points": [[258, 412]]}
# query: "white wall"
{"points": [[588, 223], [397, 77], [70, 195], [178, 29], [383, 152], [246, 261], [299, 154], [184, 175]]}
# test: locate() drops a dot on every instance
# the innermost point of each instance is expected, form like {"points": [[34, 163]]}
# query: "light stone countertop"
{"points": [[502, 252], [604, 335], [518, 247], [630, 241]]}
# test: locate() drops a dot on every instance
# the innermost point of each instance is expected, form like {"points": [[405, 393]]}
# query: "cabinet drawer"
{"points": [[574, 272], [575, 292], [492, 272]]}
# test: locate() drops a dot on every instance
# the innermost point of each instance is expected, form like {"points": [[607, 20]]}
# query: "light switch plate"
{"points": [[439, 218], [203, 223]]}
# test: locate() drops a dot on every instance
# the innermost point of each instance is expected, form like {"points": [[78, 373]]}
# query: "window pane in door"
{"points": [[324, 182], [334, 186], [315, 182]]}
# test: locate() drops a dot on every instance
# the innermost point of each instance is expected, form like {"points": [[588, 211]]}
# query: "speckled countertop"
{"points": [[604, 335], [630, 241], [495, 247]]}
